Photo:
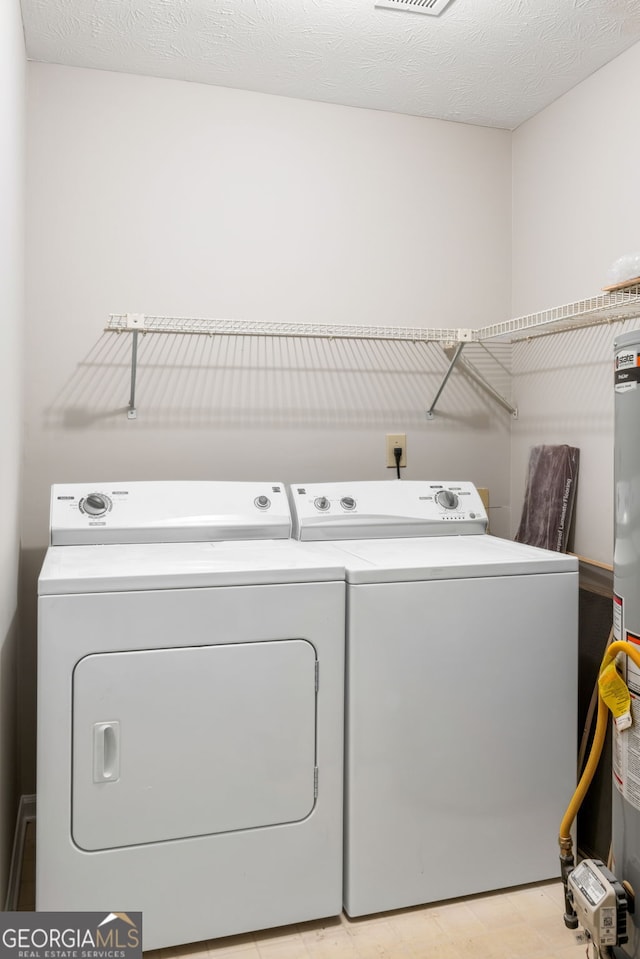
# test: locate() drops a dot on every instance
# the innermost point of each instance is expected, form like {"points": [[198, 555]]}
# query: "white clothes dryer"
{"points": [[190, 711], [461, 692]]}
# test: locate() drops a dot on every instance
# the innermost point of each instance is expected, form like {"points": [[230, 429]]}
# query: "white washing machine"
{"points": [[190, 711], [461, 692]]}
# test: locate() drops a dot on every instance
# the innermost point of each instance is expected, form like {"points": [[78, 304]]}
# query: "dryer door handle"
{"points": [[106, 752]]}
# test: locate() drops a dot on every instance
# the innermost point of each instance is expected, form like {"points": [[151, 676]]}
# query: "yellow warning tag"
{"points": [[615, 693]]}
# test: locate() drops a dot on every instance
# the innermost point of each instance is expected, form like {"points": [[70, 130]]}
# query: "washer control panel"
{"points": [[385, 509], [167, 512]]}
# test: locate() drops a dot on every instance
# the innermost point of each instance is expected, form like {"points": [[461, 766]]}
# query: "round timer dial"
{"points": [[95, 504], [447, 498]]}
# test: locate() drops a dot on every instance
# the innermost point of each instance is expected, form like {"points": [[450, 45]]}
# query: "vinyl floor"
{"points": [[522, 923]]}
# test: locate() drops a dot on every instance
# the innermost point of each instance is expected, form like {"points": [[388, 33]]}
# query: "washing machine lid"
{"points": [[93, 569], [167, 512], [442, 557], [386, 508]]}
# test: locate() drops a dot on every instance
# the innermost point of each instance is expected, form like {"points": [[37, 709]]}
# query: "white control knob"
{"points": [[348, 502], [447, 499], [321, 503], [95, 504]]}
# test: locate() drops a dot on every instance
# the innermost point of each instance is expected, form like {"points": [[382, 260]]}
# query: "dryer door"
{"points": [[170, 743]]}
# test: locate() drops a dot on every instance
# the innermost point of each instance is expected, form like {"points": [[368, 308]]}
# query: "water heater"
{"points": [[626, 621]]}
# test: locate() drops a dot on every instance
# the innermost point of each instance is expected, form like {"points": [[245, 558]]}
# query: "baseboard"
{"points": [[26, 814]]}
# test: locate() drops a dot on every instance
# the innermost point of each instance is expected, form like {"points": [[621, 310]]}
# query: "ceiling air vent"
{"points": [[433, 7]]}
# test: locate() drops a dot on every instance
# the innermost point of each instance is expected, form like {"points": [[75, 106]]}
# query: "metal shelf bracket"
{"points": [[134, 322], [469, 370], [453, 360]]}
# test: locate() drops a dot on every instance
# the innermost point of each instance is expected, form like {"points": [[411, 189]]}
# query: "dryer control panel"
{"points": [[386, 509], [167, 512]]}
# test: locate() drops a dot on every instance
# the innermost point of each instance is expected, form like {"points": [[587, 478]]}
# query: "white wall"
{"points": [[12, 76], [575, 211], [178, 199]]}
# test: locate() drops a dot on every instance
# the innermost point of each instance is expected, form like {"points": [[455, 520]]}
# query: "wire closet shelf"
{"points": [[604, 308], [608, 307]]}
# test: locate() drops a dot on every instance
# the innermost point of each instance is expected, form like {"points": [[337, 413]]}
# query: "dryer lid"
{"points": [[250, 712], [167, 512], [144, 566]]}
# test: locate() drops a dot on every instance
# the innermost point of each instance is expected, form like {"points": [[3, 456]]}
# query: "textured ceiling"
{"points": [[489, 62]]}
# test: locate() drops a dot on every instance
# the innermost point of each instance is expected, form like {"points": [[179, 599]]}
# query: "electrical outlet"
{"points": [[394, 440]]}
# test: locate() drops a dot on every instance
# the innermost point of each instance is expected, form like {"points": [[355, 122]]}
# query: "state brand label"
{"points": [[627, 370]]}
